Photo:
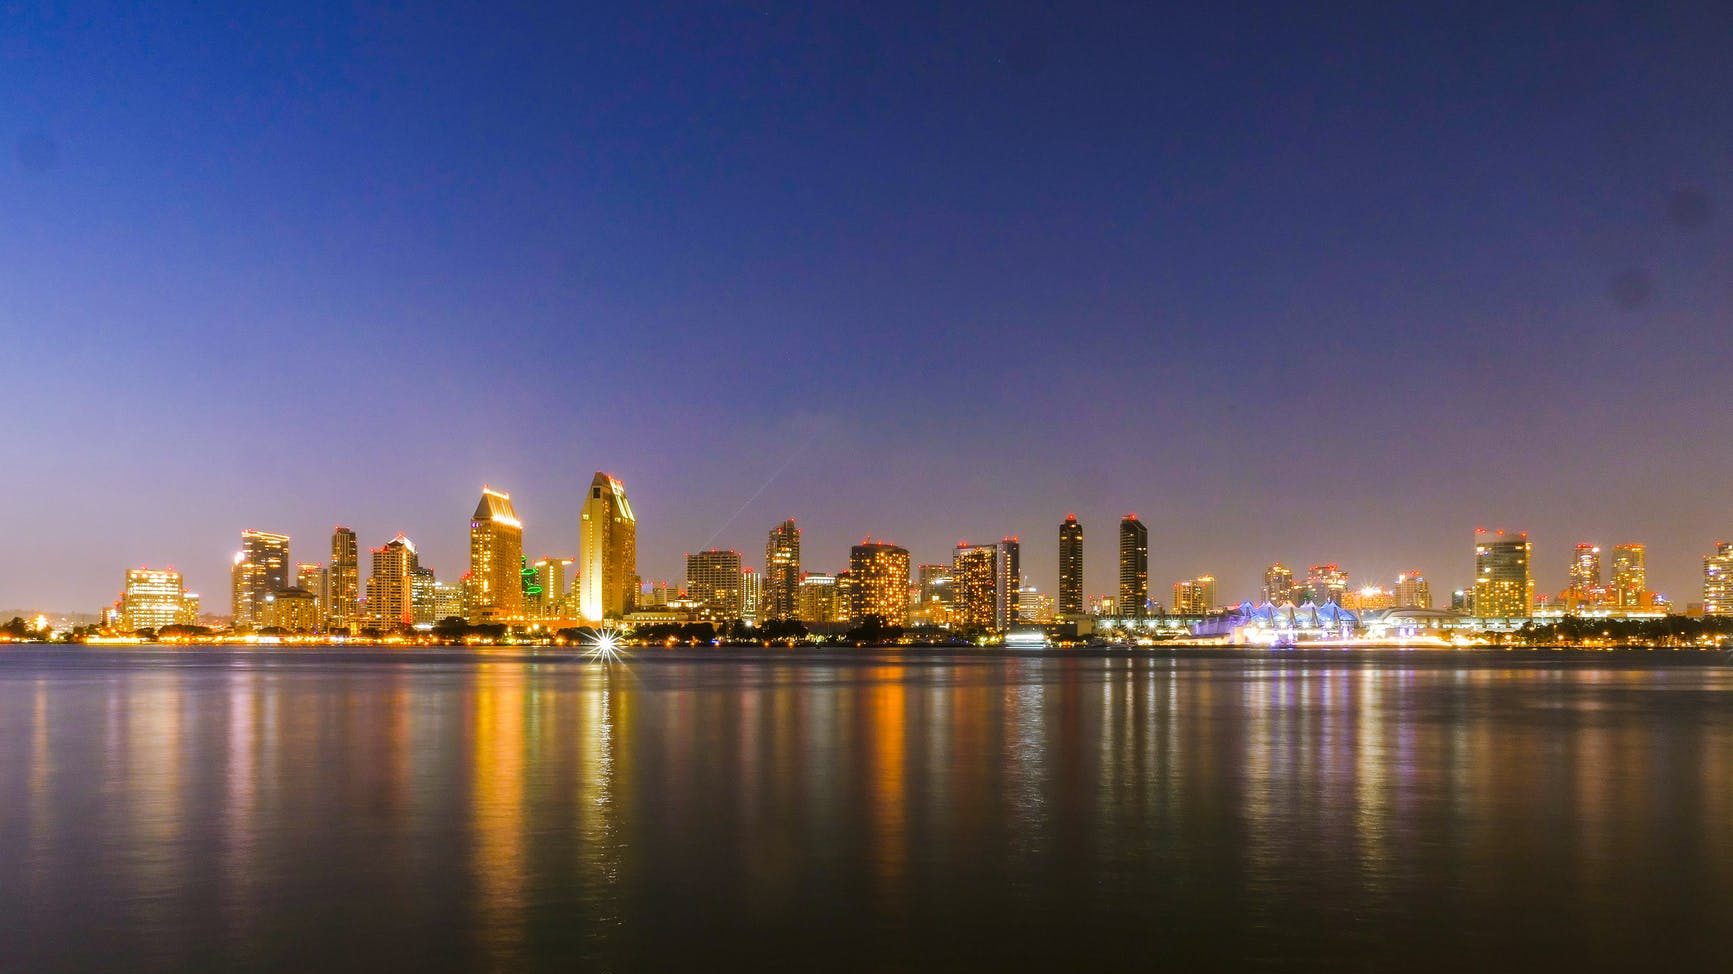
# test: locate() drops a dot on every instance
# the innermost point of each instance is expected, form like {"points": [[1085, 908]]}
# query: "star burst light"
{"points": [[604, 646]]}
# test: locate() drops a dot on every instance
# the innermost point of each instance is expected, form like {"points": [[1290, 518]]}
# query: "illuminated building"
{"points": [[156, 597], [1631, 576], [344, 593], [1070, 567], [291, 609], [1035, 607], [1412, 591], [551, 576], [1103, 605], [608, 552], [1326, 583], [713, 581], [496, 554], [1133, 567], [1279, 584], [447, 601], [781, 571], [816, 600], [1585, 577], [266, 560], [844, 596], [1503, 587], [1369, 598], [934, 582], [1718, 580], [1007, 583], [422, 588], [1195, 597], [390, 585], [313, 577], [751, 595], [974, 575], [880, 574]]}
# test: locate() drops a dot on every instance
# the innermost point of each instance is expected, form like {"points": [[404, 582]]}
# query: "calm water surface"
{"points": [[302, 810]]}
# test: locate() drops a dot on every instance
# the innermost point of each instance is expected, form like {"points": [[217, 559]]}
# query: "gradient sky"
{"points": [[1332, 284]]}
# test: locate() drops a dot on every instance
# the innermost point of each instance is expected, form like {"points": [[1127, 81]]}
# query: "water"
{"points": [[301, 810]]}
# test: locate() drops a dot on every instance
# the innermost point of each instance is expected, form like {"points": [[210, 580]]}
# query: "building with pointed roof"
{"points": [[496, 557]]}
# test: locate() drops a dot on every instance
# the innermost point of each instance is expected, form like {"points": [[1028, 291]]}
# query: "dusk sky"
{"points": [[1325, 284]]}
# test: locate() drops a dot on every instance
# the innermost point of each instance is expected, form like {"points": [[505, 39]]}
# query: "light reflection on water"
{"points": [[307, 809]]}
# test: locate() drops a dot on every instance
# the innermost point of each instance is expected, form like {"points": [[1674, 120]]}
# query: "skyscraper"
{"points": [[816, 600], [974, 579], [551, 576], [390, 585], [1133, 567], [1630, 575], [496, 550], [423, 595], [751, 596], [713, 581], [1326, 583], [1718, 580], [1503, 587], [315, 580], [345, 583], [608, 552], [1278, 584], [781, 571], [1412, 591], [1007, 583], [1585, 575], [155, 597], [1070, 567], [880, 573], [1195, 596], [261, 567]]}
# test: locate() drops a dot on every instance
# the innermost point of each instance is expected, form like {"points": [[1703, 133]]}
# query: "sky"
{"points": [[1308, 285]]}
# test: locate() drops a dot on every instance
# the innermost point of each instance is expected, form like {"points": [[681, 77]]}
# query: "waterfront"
{"points": [[275, 809]]}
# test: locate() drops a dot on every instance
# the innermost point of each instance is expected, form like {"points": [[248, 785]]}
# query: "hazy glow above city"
{"points": [[1293, 290]]}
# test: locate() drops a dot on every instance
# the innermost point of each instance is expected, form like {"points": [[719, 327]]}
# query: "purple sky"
{"points": [[1328, 286]]}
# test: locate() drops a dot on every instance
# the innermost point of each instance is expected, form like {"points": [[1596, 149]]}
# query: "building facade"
{"points": [[1503, 585], [1279, 585], [974, 577], [608, 552], [1630, 588], [1070, 599], [1413, 591], [1007, 583], [261, 567], [1195, 596], [879, 572], [152, 598], [1133, 567], [781, 571], [344, 594], [390, 584], [713, 581], [1718, 580]]}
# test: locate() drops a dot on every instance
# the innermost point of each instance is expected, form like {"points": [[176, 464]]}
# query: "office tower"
{"points": [[261, 567], [879, 572], [551, 576], [1503, 587], [608, 552], [974, 577], [934, 582], [1585, 575], [292, 610], [1278, 584], [713, 581], [1718, 580], [313, 577], [1630, 576], [390, 585], [751, 596], [422, 587], [1195, 596], [816, 599], [153, 598], [447, 601], [845, 596], [345, 583], [496, 550], [1133, 567], [781, 570], [1412, 591], [1326, 583], [1462, 600], [1368, 598], [1035, 607], [1070, 567], [1007, 583]]}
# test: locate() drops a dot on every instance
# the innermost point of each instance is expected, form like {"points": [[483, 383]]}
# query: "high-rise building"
{"points": [[934, 582], [551, 576], [448, 601], [423, 596], [1368, 598], [313, 577], [781, 570], [880, 573], [1585, 575], [345, 584], [1326, 583], [816, 600], [1631, 576], [751, 596], [1195, 596], [608, 552], [1412, 591], [713, 581], [1133, 567], [974, 580], [390, 585], [1070, 601], [1503, 587], [292, 609], [266, 560], [1035, 607], [1007, 583], [1718, 580], [1278, 584], [496, 549], [156, 597]]}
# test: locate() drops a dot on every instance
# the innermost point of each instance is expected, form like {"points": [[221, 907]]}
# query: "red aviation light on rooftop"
{"points": [[1131, 517]]}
